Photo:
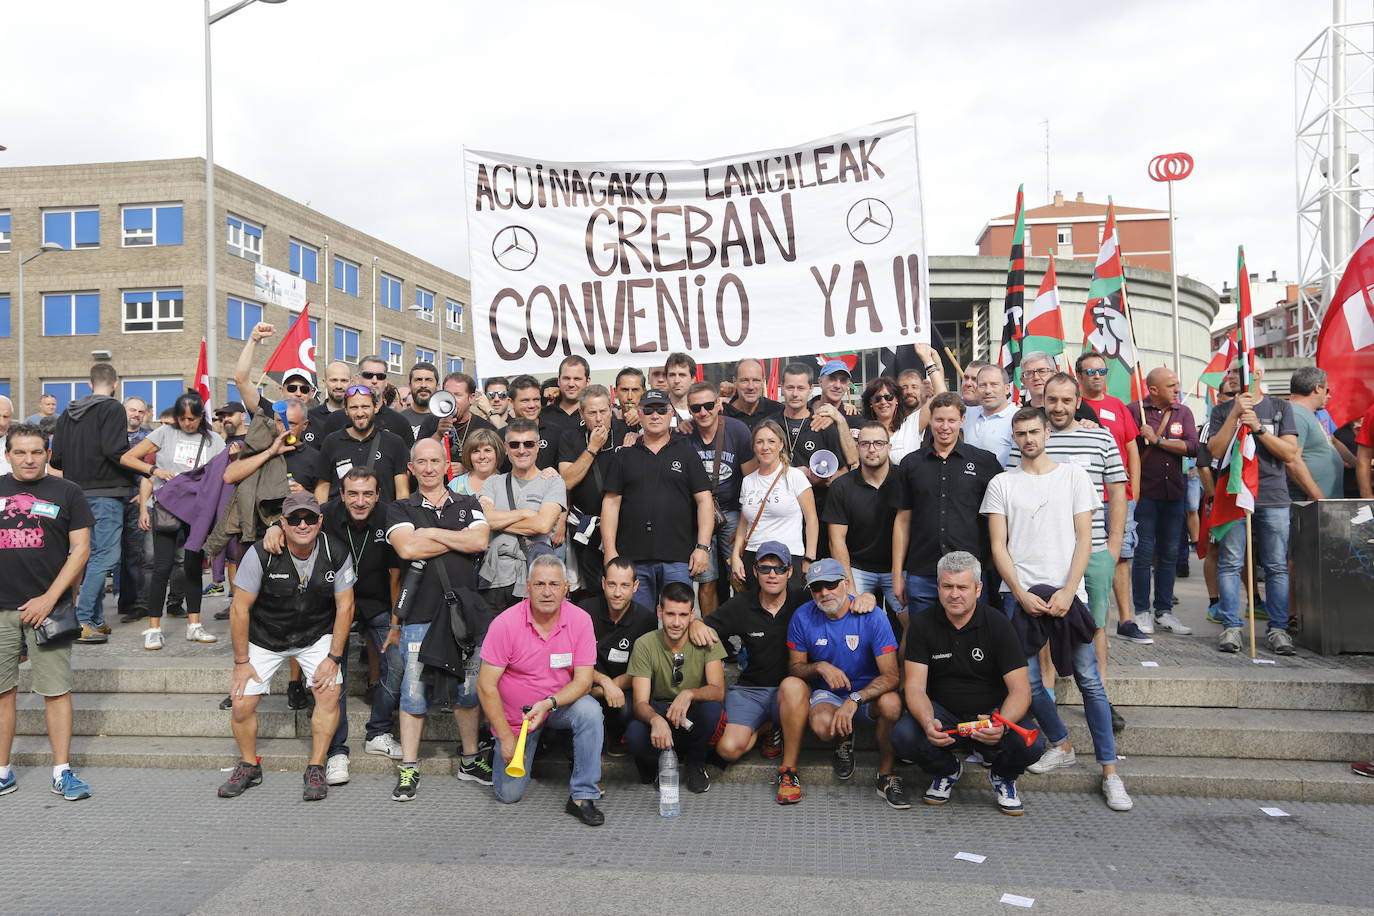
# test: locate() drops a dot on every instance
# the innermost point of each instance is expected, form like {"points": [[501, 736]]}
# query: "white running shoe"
{"points": [[1172, 624], [1146, 622], [196, 633], [336, 770], [1052, 759], [1115, 790], [152, 639], [384, 745]]}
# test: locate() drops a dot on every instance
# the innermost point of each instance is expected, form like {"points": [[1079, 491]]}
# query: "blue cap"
{"points": [[833, 366], [826, 570], [773, 549]]}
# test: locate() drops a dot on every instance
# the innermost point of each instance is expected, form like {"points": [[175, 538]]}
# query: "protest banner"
{"points": [[279, 287], [815, 247]]}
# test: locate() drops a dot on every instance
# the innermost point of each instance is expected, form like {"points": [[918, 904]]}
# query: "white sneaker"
{"points": [[1146, 622], [1052, 759], [1115, 790], [1173, 625], [196, 633], [336, 770], [152, 639], [384, 745]]}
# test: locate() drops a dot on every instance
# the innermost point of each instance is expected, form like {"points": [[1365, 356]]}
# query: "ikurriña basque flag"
{"points": [[1238, 475]]}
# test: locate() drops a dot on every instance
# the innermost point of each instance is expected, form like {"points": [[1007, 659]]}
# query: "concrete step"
{"points": [[169, 674], [1295, 780], [1243, 686], [1245, 734]]}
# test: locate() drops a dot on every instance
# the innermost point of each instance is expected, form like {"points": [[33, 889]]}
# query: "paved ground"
{"points": [[162, 842]]}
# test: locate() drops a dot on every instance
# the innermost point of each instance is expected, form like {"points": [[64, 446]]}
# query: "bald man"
{"points": [[750, 407]]}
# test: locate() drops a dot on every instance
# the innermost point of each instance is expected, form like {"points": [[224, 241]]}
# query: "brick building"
{"points": [[1073, 228], [131, 280]]}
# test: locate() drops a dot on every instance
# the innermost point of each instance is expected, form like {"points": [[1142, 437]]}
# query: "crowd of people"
{"points": [[546, 557]]}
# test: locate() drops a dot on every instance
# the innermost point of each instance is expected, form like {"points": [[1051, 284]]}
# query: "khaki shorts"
{"points": [[52, 665]]}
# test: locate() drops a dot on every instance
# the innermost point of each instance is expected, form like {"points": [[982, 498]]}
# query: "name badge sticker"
{"points": [[560, 660], [47, 510], [1105, 414], [343, 468], [617, 656]]}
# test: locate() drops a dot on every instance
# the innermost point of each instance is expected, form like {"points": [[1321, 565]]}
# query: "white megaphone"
{"points": [[824, 463], [442, 405]]}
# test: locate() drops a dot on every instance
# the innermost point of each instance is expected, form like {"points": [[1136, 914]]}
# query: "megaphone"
{"points": [[443, 405], [824, 463], [279, 408]]}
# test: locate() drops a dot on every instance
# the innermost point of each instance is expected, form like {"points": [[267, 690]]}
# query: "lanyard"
{"points": [[355, 550]]}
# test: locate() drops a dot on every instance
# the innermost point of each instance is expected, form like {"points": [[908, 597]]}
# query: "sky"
{"points": [[361, 109]]}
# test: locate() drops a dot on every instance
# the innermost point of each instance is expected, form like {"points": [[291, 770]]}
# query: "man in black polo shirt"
{"points": [[584, 459], [859, 516], [372, 373], [527, 401], [363, 444], [749, 406], [557, 419], [964, 662], [808, 432], [618, 621], [337, 377], [455, 429], [939, 493], [303, 461], [657, 500]]}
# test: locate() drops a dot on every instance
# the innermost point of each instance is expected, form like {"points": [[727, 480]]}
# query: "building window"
{"points": [[425, 300], [4, 316], [245, 239], [389, 292], [153, 310], [66, 390], [314, 330], [72, 228], [304, 261], [240, 317], [454, 311], [157, 393], [346, 276], [152, 224], [455, 364], [345, 344], [70, 314], [391, 352], [4, 232], [424, 356], [5, 387]]}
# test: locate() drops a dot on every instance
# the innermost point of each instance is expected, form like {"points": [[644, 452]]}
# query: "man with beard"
{"points": [[629, 388], [372, 373], [455, 429], [363, 444], [424, 381], [618, 621]]}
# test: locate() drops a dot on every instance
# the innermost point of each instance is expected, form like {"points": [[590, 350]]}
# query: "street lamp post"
{"points": [[211, 326], [23, 367]]}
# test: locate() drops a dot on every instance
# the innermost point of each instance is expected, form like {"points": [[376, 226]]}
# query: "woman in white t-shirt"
{"points": [[776, 504]]}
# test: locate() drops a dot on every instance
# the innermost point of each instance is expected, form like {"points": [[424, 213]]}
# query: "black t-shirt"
{"points": [[945, 496], [763, 635], [868, 511], [767, 408], [36, 520], [553, 423], [386, 418], [340, 452], [586, 496], [658, 513], [803, 442], [316, 418], [615, 640], [373, 558], [456, 514], [736, 450], [458, 435], [303, 465], [966, 666]]}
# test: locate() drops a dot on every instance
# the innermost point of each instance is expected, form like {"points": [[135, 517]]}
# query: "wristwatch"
{"points": [[703, 547], [336, 659], [553, 700], [857, 698]]}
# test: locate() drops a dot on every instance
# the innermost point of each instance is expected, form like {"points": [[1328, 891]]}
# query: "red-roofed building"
{"points": [[1073, 228]]}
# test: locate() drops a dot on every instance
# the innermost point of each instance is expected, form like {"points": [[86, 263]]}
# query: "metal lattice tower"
{"points": [[1335, 158]]}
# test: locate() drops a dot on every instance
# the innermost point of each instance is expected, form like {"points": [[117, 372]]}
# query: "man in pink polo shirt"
{"points": [[537, 663]]}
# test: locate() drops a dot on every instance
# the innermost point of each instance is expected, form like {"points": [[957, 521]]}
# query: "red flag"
{"points": [[295, 355], [772, 391], [1345, 346], [202, 383]]}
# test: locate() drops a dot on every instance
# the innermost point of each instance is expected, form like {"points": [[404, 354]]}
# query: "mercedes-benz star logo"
{"points": [[869, 221], [514, 248]]}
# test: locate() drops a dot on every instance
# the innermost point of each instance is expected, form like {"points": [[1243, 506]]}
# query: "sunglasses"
{"points": [[373, 375], [307, 519], [771, 569], [823, 586], [298, 389], [497, 395], [522, 443], [1095, 373], [703, 408], [888, 396], [678, 661], [654, 409], [357, 389]]}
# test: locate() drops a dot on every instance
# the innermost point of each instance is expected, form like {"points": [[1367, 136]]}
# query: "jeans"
{"points": [[921, 592], [1157, 526], [413, 698], [131, 561], [1095, 706], [164, 553], [879, 584], [721, 542], [1008, 757], [105, 541], [387, 698], [1271, 552], [653, 575], [584, 719], [691, 744]]}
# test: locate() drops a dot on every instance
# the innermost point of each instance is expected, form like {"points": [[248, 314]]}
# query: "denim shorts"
{"points": [[821, 695], [752, 706]]}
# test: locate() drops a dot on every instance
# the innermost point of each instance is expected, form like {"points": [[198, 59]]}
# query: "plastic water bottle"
{"points": [[669, 802]]}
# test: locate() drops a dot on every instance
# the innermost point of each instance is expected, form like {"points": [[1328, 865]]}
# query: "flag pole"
{"points": [[1250, 579]]}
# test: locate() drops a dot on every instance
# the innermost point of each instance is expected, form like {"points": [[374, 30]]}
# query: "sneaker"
{"points": [[1279, 642], [214, 588], [1052, 759], [1118, 723], [226, 703], [1172, 624], [843, 764], [1129, 632], [9, 783], [91, 635], [1261, 612], [789, 786], [196, 633], [132, 615], [295, 694], [222, 614], [1359, 768], [890, 788], [1230, 640], [407, 781], [70, 787], [976, 757], [771, 746], [336, 770], [176, 610], [478, 769], [941, 787], [152, 639], [1146, 622], [243, 777], [615, 747], [105, 628], [698, 780], [316, 782], [1008, 801], [1183, 571], [1115, 790], [1214, 612], [384, 745]]}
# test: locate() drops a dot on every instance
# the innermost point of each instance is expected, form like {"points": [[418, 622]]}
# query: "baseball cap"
{"points": [[299, 501], [654, 396], [833, 366], [773, 549], [231, 407], [300, 375], [826, 570]]}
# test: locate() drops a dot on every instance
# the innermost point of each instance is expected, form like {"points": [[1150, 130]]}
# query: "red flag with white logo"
{"points": [[295, 355], [202, 383], [1345, 346]]}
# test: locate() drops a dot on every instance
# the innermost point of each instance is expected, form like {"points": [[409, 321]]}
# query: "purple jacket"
{"points": [[198, 497]]}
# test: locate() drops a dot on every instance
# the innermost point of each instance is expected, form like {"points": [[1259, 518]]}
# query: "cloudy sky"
{"points": [[362, 108]]}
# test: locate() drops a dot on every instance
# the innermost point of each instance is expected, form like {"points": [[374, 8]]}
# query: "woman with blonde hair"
{"points": [[776, 504]]}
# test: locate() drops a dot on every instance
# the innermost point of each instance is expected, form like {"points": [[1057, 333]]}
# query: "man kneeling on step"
{"points": [[297, 604]]}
